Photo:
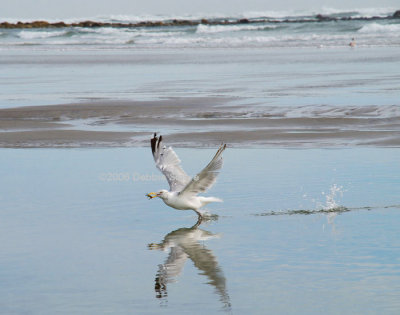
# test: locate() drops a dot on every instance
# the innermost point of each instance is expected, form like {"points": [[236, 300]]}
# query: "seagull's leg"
{"points": [[199, 219]]}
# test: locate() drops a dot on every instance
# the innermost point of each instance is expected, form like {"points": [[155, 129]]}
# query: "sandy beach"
{"points": [[196, 122]]}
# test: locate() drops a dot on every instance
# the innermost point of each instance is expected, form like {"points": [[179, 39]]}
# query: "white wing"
{"points": [[207, 177], [169, 164]]}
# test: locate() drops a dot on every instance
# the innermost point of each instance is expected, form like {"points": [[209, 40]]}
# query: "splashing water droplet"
{"points": [[334, 191]]}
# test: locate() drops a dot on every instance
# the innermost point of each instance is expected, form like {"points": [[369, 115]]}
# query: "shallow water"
{"points": [[262, 77], [76, 229]]}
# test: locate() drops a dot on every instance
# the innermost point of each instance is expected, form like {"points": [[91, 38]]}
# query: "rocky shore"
{"points": [[316, 18]]}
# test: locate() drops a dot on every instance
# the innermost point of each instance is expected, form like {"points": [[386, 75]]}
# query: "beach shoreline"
{"points": [[198, 122]]}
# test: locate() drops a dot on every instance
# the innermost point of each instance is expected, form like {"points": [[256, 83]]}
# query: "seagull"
{"points": [[183, 189]]}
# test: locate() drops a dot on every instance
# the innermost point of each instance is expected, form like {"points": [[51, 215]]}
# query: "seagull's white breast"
{"points": [[179, 202]]}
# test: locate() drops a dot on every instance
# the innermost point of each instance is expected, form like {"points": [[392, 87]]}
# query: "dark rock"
{"points": [[158, 23], [6, 25], [323, 18], [89, 24], [39, 24], [59, 24], [204, 21], [397, 14], [243, 21]]}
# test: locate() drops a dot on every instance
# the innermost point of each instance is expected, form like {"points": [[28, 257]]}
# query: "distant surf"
{"points": [[271, 29]]}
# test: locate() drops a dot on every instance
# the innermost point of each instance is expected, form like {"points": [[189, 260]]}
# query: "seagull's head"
{"points": [[162, 194]]}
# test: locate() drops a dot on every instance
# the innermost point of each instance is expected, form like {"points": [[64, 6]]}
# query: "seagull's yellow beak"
{"points": [[151, 195]]}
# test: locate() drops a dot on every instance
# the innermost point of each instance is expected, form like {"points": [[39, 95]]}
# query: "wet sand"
{"points": [[198, 122]]}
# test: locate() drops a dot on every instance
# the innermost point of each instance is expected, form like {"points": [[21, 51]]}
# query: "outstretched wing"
{"points": [[169, 164], [207, 177]]}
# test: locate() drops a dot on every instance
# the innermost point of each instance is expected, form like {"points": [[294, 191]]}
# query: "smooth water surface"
{"points": [[79, 236], [258, 76]]}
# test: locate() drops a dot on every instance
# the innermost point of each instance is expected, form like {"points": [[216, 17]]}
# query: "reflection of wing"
{"points": [[184, 243], [168, 272], [205, 261], [207, 177], [169, 164]]}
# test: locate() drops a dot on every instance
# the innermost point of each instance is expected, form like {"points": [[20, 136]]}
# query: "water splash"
{"points": [[331, 198], [331, 208], [332, 205]]}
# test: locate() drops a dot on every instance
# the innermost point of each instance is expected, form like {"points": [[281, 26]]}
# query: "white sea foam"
{"points": [[358, 12], [40, 34], [201, 28], [124, 18], [380, 28], [159, 34], [208, 41], [274, 14], [148, 17], [298, 40], [106, 30], [279, 14]]}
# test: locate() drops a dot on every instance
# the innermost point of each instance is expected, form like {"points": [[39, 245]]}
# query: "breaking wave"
{"points": [[269, 29], [40, 34], [380, 28], [201, 28]]}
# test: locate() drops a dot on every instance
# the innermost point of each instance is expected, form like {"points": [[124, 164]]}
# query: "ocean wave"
{"points": [[273, 14], [40, 34], [379, 28], [91, 42], [160, 34], [106, 30], [295, 40], [121, 18], [359, 12], [208, 41], [109, 31], [218, 34], [201, 28]]}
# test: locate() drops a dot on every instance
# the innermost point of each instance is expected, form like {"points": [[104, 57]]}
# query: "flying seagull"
{"points": [[183, 189]]}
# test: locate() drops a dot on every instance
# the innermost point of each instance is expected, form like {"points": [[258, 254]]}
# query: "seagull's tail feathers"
{"points": [[206, 200]]}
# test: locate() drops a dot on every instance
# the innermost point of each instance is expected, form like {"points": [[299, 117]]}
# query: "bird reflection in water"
{"points": [[182, 244]]}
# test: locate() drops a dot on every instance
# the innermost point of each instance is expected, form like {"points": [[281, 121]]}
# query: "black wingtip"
{"points": [[153, 143], [159, 141]]}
